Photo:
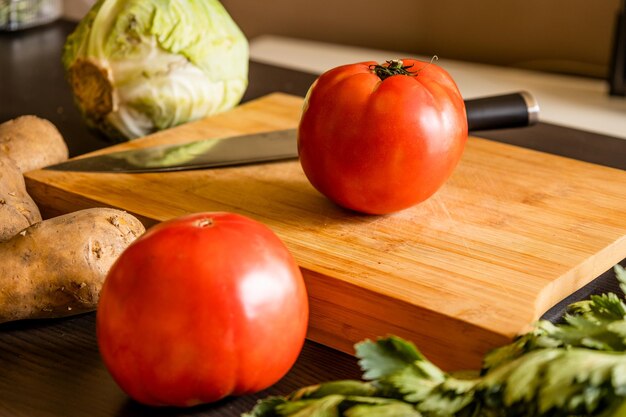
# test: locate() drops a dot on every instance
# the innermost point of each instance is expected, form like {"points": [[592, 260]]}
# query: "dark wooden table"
{"points": [[53, 369]]}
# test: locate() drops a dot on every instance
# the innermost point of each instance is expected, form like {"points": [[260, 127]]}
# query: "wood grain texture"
{"points": [[512, 232]]}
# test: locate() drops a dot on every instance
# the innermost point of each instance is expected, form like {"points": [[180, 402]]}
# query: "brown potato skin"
{"points": [[17, 208], [56, 268], [32, 142]]}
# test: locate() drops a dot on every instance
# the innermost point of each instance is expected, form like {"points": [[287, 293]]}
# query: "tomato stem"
{"points": [[396, 67]]}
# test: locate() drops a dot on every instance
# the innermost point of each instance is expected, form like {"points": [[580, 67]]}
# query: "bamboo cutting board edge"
{"points": [[66, 201], [331, 319]]}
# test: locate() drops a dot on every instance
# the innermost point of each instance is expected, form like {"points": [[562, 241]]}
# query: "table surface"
{"points": [[52, 368]]}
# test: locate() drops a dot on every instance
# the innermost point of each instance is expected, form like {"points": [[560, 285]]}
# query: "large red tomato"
{"points": [[199, 308], [381, 138]]}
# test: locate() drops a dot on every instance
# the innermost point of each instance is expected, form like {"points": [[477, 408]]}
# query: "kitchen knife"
{"points": [[493, 112]]}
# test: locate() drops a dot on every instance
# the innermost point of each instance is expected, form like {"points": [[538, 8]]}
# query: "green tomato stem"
{"points": [[396, 67]]}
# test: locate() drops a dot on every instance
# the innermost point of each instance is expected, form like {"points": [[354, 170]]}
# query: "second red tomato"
{"points": [[381, 138], [199, 308]]}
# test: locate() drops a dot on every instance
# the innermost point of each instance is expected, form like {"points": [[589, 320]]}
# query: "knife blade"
{"points": [[493, 112]]}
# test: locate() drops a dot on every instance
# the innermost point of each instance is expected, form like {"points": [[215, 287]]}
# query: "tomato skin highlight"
{"points": [[199, 308], [380, 146]]}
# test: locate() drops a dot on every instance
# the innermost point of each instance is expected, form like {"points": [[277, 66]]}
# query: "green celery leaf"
{"points": [[616, 409], [620, 273], [342, 387], [598, 323], [266, 407], [395, 409], [386, 356], [575, 372], [600, 307], [319, 407], [349, 406], [412, 385], [450, 398], [618, 379], [517, 381], [507, 353]]}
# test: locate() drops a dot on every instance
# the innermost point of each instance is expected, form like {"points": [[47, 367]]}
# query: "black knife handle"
{"points": [[502, 111]]}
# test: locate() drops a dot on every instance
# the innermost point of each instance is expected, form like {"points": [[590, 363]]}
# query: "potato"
{"points": [[32, 143], [56, 267], [17, 208]]}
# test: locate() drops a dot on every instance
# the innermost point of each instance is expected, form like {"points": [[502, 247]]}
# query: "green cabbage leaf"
{"points": [[137, 66]]}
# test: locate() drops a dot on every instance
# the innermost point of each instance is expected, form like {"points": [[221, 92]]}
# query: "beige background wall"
{"points": [[569, 36]]}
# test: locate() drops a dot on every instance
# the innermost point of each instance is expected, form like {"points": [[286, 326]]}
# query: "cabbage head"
{"points": [[138, 66]]}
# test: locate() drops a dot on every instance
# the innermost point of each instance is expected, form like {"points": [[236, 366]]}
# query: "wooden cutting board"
{"points": [[510, 234]]}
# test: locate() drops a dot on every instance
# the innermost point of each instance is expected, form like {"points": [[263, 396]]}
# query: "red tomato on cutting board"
{"points": [[199, 308], [381, 138]]}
